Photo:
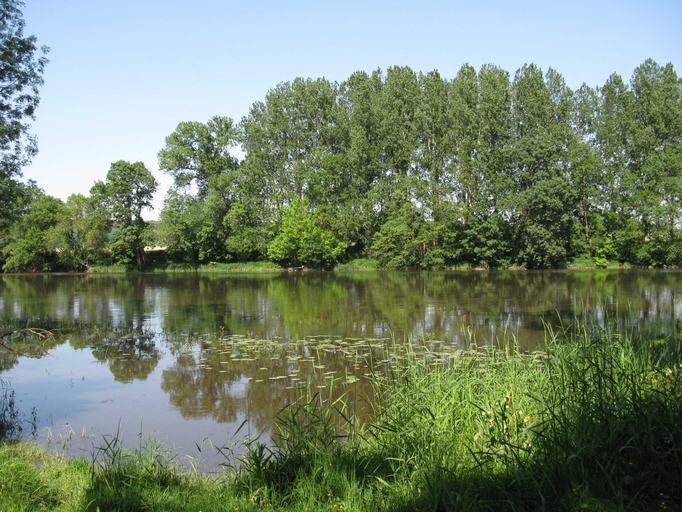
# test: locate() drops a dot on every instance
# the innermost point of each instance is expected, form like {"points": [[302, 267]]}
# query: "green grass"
{"points": [[359, 264], [252, 266], [584, 262], [594, 422]]}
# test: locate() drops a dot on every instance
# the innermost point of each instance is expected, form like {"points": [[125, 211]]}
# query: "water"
{"points": [[189, 364]]}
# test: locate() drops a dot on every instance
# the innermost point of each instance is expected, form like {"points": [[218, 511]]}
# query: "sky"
{"points": [[123, 74]]}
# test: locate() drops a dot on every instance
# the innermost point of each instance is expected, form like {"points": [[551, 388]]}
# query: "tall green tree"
{"points": [[83, 229], [585, 176], [199, 153], [292, 142], [361, 213], [542, 200], [34, 240], [401, 122], [487, 232], [436, 142], [22, 64], [656, 161], [127, 191], [21, 74], [198, 156]]}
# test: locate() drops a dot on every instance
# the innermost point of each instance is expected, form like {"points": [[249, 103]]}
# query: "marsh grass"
{"points": [[594, 422]]}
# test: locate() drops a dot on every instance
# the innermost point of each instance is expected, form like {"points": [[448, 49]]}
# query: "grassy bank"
{"points": [[359, 264], [252, 266], [592, 423]]}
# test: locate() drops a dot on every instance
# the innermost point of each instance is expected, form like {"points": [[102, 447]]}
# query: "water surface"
{"points": [[196, 356]]}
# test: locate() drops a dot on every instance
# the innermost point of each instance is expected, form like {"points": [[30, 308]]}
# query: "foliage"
{"points": [[407, 241], [197, 153], [302, 241], [127, 190], [413, 169], [34, 238], [180, 226], [22, 65], [21, 75], [82, 232]]}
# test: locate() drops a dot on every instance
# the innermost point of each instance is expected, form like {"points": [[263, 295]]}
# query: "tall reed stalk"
{"points": [[594, 422]]}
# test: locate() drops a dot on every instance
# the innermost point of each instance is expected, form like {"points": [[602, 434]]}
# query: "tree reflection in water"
{"points": [[235, 376], [129, 357]]}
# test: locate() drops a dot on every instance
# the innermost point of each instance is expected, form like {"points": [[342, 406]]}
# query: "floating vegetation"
{"points": [[317, 362]]}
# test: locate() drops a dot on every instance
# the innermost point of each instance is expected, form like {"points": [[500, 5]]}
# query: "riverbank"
{"points": [[252, 266], [360, 264], [594, 422]]}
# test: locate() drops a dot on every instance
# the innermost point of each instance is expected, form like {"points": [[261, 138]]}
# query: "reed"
{"points": [[594, 422]]}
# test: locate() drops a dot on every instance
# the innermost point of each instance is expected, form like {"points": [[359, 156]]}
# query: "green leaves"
{"points": [[21, 75], [407, 241], [303, 241], [34, 238], [414, 169], [127, 190], [197, 153]]}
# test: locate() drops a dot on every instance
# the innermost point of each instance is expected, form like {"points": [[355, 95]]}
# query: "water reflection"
{"points": [[234, 376], [128, 357], [214, 349], [452, 306]]}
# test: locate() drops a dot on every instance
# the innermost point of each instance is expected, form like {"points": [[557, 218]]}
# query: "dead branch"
{"points": [[43, 335]]}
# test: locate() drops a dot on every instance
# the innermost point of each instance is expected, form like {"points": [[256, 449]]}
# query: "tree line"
{"points": [[413, 170]]}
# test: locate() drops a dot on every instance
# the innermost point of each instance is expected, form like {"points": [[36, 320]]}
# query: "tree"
{"points": [[34, 239], [21, 74], [401, 122], [542, 200], [303, 241], [293, 144], [83, 228], [15, 199], [638, 143], [127, 190], [361, 214], [487, 233], [406, 240], [656, 161], [197, 153], [585, 175], [180, 224]]}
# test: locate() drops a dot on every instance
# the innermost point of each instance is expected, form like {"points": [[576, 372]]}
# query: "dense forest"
{"points": [[410, 169]]}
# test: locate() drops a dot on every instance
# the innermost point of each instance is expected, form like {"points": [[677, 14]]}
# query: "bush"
{"points": [[302, 241]]}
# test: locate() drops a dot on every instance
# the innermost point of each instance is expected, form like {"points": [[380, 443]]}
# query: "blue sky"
{"points": [[123, 74]]}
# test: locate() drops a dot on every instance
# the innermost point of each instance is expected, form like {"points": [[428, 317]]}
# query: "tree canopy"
{"points": [[21, 74], [412, 169]]}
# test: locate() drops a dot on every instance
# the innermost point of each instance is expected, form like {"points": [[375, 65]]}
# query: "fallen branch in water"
{"points": [[42, 335]]}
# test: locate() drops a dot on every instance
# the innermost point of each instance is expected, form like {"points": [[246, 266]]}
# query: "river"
{"points": [[190, 358]]}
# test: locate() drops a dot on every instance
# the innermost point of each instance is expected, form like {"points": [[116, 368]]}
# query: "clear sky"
{"points": [[124, 73]]}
